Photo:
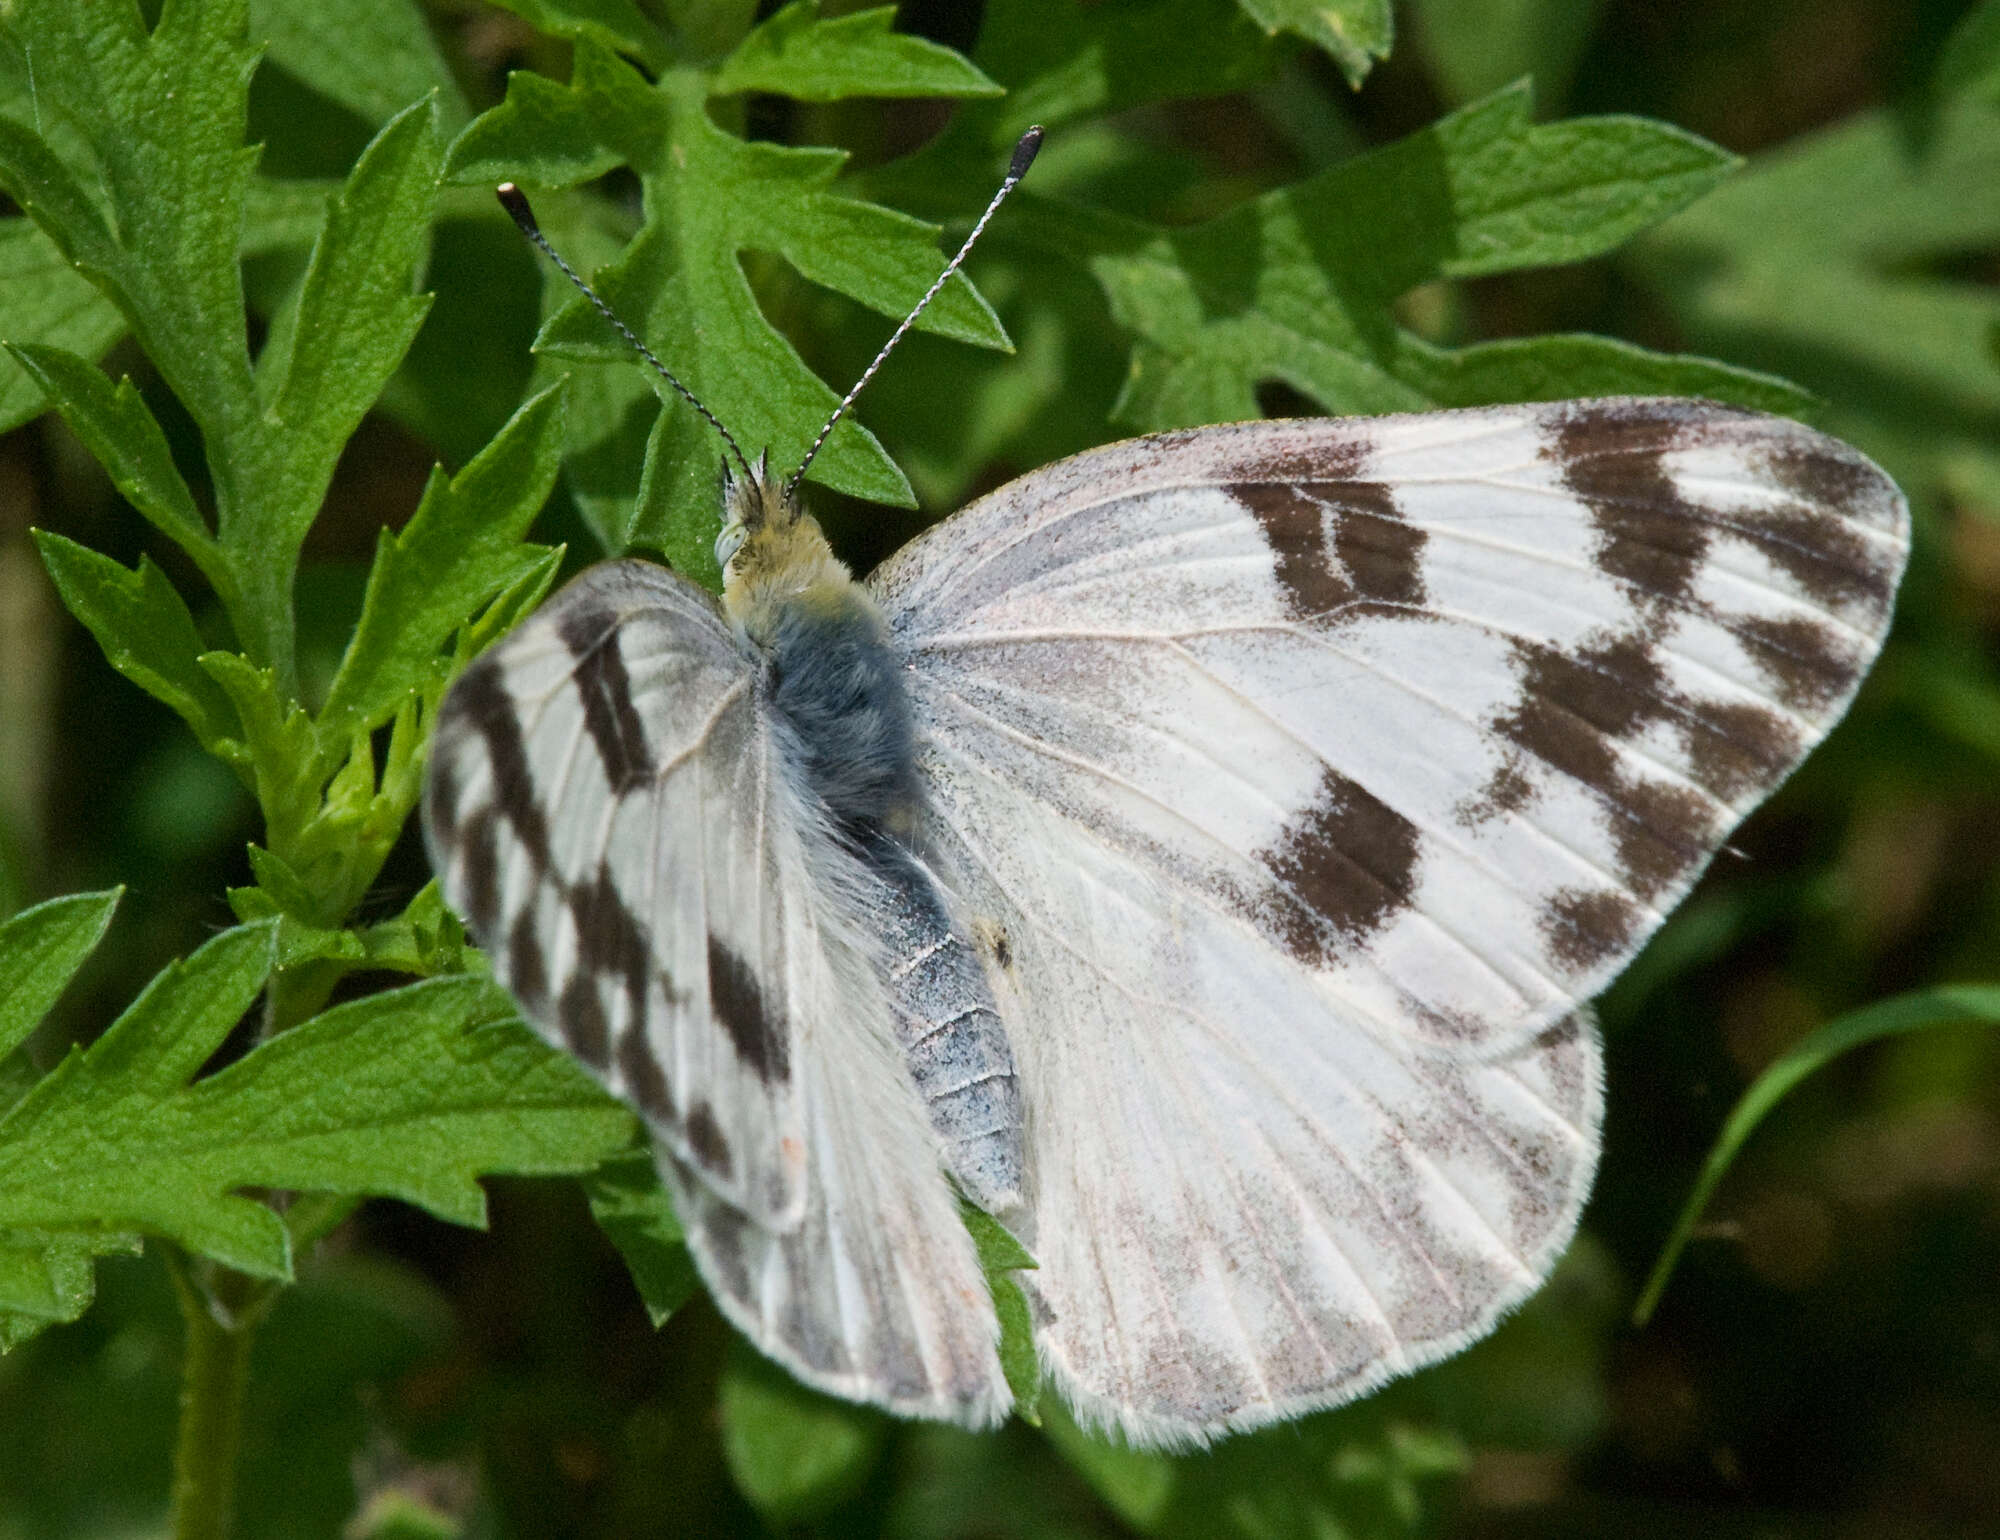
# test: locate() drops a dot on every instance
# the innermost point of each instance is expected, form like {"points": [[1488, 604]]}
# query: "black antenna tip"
{"points": [[1024, 154], [515, 202]]}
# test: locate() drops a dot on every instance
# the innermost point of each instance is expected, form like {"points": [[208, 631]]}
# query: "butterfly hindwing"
{"points": [[1317, 772], [612, 807]]}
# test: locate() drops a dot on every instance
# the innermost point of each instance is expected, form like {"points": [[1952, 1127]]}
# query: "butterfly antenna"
{"points": [[1017, 167], [515, 202]]}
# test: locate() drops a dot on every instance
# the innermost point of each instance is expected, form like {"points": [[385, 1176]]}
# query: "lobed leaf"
{"points": [[118, 427], [710, 198], [461, 548], [145, 629], [1355, 32], [798, 53], [374, 57], [40, 951]]}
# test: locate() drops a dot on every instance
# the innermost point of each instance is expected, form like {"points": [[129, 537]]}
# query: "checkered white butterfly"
{"points": [[1197, 853]]}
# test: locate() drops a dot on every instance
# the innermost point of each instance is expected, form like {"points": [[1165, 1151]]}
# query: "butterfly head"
{"points": [[771, 550]]}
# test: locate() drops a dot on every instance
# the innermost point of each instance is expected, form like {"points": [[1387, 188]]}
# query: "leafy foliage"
{"points": [[1219, 223]]}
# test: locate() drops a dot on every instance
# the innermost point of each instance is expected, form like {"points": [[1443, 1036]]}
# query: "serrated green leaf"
{"points": [[1949, 1005], [276, 745], [413, 1093], [40, 950], [460, 549], [1820, 261], [792, 1452], [355, 316], [81, 1151], [1064, 63], [634, 1211], [711, 197], [1296, 285], [118, 427], [375, 57], [47, 302], [63, 1282], [797, 53], [144, 628], [613, 24], [1355, 32]]}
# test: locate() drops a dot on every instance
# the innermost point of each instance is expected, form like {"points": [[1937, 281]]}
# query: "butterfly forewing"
{"points": [[611, 809], [1317, 772]]}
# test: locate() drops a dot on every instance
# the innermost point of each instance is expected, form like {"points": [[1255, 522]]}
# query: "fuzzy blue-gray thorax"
{"points": [[833, 674]]}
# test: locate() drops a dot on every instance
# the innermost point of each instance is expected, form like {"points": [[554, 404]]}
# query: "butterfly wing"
{"points": [[610, 806], [1316, 772]]}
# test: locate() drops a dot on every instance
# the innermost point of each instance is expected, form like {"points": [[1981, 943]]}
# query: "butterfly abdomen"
{"points": [[836, 680]]}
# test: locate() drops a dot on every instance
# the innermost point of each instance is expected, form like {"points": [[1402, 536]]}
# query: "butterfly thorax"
{"points": [[834, 678]]}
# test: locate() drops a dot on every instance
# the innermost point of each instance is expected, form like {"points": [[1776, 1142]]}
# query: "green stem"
{"points": [[221, 1313]]}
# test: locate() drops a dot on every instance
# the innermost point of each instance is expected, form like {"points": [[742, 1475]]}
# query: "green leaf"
{"points": [[793, 1453], [412, 1094], [1478, 46], [144, 628], [88, 1148], [1822, 262], [1969, 65], [48, 302], [1297, 285], [40, 950], [615, 24], [460, 549], [118, 427], [710, 198], [355, 315], [1001, 1255], [375, 57], [633, 1209], [1355, 32], [50, 1279], [1949, 1005], [798, 53]]}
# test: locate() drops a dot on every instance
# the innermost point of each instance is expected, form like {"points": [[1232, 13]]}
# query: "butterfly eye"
{"points": [[729, 542]]}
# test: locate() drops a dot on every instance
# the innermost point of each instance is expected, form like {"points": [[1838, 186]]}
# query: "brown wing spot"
{"points": [[609, 938], [705, 1138], [481, 844], [609, 716], [1802, 659], [1613, 460], [1827, 556], [1349, 862], [527, 971], [1584, 926], [645, 1080], [1375, 553], [740, 1009], [480, 698], [580, 1015]]}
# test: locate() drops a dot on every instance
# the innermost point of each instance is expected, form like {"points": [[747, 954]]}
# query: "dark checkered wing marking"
{"points": [[1317, 772], [600, 809]]}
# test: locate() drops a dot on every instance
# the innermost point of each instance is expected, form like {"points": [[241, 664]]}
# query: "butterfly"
{"points": [[1198, 854]]}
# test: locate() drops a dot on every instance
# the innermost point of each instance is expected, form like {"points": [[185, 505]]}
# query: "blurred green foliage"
{"points": [[1241, 205]]}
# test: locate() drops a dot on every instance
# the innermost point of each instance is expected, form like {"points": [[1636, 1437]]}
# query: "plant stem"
{"points": [[221, 1314]]}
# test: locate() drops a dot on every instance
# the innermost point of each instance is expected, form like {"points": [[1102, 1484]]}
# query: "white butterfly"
{"points": [[1198, 853]]}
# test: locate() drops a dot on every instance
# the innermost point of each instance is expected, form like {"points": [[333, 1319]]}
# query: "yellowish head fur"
{"points": [[776, 555]]}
